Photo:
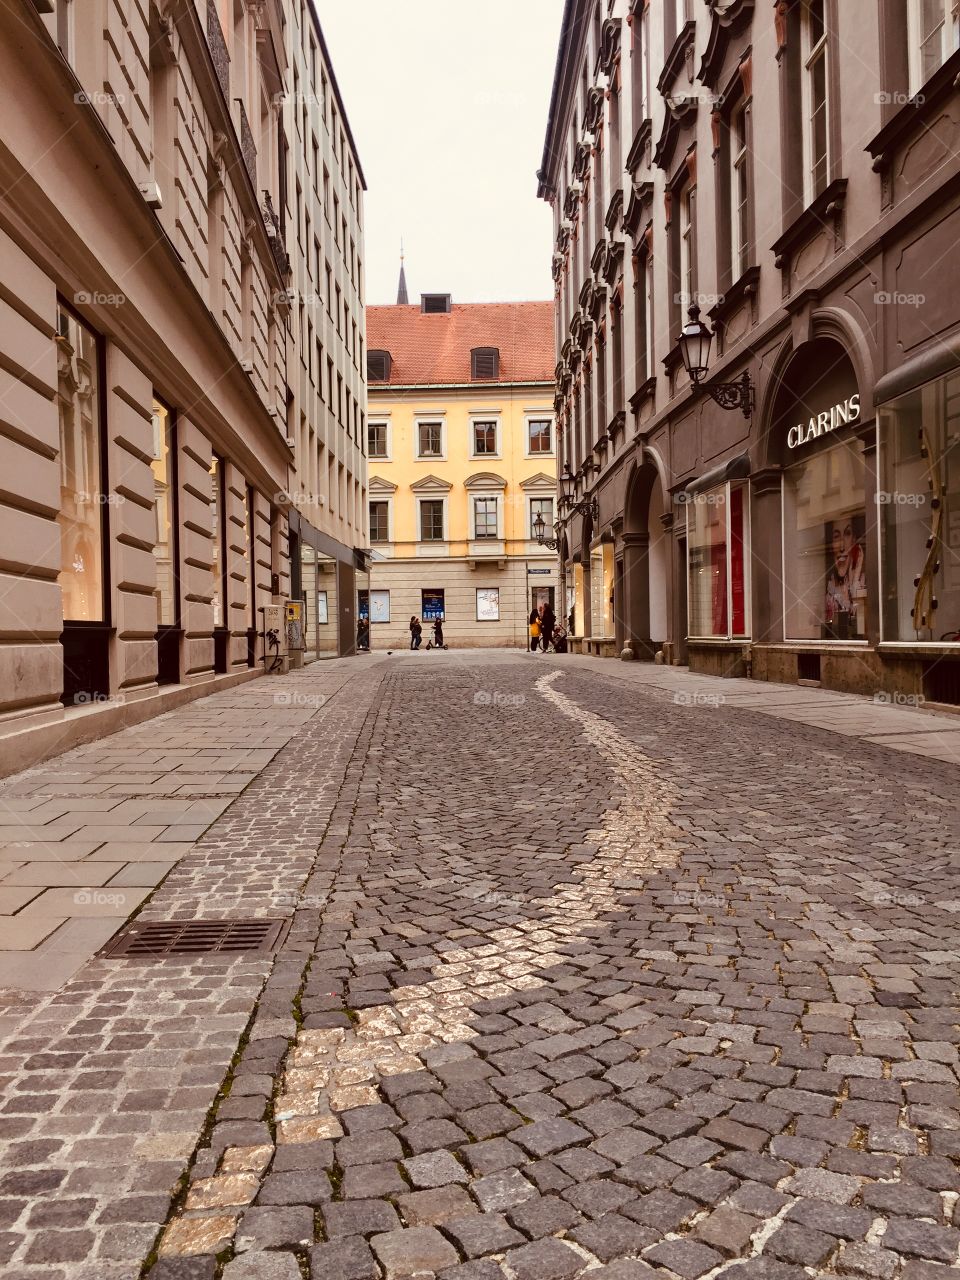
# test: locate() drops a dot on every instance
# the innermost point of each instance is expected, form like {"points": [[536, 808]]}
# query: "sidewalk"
{"points": [[86, 836], [918, 730]]}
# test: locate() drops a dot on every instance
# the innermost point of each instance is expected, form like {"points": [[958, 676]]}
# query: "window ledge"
{"points": [[644, 392], [732, 298], [827, 206], [915, 115], [676, 57]]}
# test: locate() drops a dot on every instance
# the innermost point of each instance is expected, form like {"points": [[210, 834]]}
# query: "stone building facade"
{"points": [[149, 446], [326, 408], [462, 456], [791, 169]]}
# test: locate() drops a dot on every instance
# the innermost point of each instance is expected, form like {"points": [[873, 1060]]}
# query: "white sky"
{"points": [[447, 101]]}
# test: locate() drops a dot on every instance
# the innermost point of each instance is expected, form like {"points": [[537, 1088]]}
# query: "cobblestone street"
{"points": [[588, 972]]}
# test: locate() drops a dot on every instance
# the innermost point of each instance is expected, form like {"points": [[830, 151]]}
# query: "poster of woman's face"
{"points": [[845, 597]]}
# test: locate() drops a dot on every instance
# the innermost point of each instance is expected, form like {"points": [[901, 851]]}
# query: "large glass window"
{"points": [[824, 552], [163, 546], [601, 590], [919, 500], [218, 565], [82, 497], [717, 562]]}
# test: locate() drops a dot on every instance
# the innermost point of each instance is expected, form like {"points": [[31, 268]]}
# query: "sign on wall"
{"points": [[488, 604]]}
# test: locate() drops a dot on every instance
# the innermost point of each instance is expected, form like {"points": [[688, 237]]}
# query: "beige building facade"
{"points": [[789, 505], [147, 431], [326, 406], [462, 458]]}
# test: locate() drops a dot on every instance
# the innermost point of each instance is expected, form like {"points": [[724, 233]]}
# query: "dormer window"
{"points": [[484, 363], [378, 366], [436, 304]]}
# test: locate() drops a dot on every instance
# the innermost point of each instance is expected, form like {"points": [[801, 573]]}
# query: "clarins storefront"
{"points": [[829, 549]]}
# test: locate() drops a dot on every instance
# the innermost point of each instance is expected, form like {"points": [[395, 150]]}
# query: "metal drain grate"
{"points": [[157, 939]]}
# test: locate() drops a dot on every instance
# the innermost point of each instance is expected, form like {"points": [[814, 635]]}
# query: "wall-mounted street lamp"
{"points": [[568, 488], [694, 344], [540, 529]]}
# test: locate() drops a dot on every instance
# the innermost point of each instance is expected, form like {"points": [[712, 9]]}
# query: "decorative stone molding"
{"points": [[725, 25]]}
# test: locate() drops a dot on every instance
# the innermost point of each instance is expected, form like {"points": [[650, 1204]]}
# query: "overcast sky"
{"points": [[447, 101]]}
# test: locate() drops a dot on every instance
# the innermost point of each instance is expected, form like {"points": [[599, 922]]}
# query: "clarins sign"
{"points": [[823, 423]]}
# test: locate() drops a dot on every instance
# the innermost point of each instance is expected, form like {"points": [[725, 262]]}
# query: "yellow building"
{"points": [[461, 446]]}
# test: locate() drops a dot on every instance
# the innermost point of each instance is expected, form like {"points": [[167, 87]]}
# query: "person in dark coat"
{"points": [[548, 621], [416, 632], [438, 633]]}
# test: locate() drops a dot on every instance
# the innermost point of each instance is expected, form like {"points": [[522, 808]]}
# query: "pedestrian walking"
{"points": [[416, 632], [547, 623], [534, 630]]}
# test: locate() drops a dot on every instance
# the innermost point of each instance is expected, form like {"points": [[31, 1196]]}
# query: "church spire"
{"points": [[402, 299]]}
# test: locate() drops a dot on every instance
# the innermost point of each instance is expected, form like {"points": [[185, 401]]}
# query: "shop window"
{"points": [[919, 509], [218, 568], [164, 498], [824, 553], [717, 522], [432, 604], [82, 515], [82, 498], [602, 603]]}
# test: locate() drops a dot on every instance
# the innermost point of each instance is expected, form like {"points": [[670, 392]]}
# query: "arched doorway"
{"points": [[646, 563]]}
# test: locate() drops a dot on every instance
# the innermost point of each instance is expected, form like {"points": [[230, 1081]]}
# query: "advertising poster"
{"points": [[488, 604]]}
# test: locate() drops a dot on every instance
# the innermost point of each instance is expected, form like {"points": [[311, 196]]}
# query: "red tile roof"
{"points": [[431, 349]]}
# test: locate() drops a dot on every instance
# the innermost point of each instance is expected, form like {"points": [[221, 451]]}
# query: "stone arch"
{"points": [[646, 545]]}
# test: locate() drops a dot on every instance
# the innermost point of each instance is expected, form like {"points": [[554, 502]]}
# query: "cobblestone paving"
{"points": [[578, 982]]}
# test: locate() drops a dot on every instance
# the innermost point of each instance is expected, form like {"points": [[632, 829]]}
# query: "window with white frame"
{"points": [[739, 194], [816, 107], [431, 520], [541, 507], [430, 439], [484, 438], [933, 34], [539, 435], [378, 444], [485, 517], [639, 70], [686, 265], [379, 521]]}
